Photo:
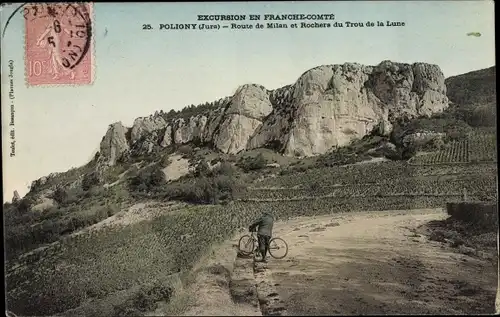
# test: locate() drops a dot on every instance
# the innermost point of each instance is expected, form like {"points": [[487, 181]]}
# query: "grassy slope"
{"points": [[95, 266], [474, 96], [473, 88]]}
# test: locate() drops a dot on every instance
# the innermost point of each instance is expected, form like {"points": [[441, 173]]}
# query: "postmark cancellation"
{"points": [[59, 48]]}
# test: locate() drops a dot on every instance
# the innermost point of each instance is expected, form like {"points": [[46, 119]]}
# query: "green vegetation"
{"points": [[113, 173], [192, 110], [252, 163], [144, 301], [386, 179], [474, 97], [479, 146], [203, 186], [474, 88], [93, 266], [185, 150], [455, 130], [147, 180], [362, 150], [77, 209]]}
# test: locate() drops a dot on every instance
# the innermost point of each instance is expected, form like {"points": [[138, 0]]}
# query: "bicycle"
{"points": [[248, 245]]}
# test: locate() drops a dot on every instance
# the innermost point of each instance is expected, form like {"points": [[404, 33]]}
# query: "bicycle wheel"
{"points": [[246, 245], [278, 248]]}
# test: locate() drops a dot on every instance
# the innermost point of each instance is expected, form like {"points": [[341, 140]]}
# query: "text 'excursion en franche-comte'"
{"points": [[269, 21]]}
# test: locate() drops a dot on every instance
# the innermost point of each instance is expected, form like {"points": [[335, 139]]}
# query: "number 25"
{"points": [[147, 27]]}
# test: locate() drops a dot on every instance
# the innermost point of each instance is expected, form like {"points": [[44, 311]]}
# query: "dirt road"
{"points": [[375, 263], [369, 263]]}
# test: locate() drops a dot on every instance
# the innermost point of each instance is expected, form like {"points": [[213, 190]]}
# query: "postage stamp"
{"points": [[58, 44]]}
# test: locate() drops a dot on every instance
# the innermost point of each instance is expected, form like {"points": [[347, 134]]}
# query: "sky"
{"points": [[138, 72]]}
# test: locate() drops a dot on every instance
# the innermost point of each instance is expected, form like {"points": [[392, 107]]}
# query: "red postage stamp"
{"points": [[58, 44]]}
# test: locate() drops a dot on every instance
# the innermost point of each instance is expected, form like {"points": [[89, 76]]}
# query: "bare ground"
{"points": [[366, 263], [177, 168]]}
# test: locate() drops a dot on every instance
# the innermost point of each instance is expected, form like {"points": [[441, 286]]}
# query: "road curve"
{"points": [[354, 263], [376, 263]]}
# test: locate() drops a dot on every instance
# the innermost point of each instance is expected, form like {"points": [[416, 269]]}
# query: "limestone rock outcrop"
{"points": [[328, 106], [189, 130], [114, 143], [248, 108], [145, 125]]}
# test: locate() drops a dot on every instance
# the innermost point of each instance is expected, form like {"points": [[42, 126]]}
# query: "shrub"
{"points": [[435, 144], [165, 161], [394, 155], [94, 192], [185, 150], [90, 180], [225, 168], [202, 169], [453, 125], [408, 152], [14, 216], [456, 134], [143, 301], [203, 190], [147, 179], [73, 196], [483, 116], [342, 156], [24, 205], [112, 174], [59, 195], [252, 163], [65, 197]]}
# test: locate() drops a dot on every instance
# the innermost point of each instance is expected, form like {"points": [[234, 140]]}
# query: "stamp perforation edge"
{"points": [[92, 64]]}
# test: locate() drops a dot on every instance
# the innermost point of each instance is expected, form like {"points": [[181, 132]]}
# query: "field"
{"points": [[479, 146], [387, 179]]}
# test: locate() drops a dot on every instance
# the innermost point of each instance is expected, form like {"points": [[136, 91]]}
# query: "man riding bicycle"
{"points": [[265, 227]]}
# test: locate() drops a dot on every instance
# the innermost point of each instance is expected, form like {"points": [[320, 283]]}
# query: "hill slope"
{"points": [[473, 88], [474, 96]]}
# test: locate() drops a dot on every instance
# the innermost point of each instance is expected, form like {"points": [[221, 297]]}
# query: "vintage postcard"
{"points": [[249, 158]]}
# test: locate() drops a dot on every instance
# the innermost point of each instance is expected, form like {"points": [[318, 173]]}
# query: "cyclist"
{"points": [[265, 227]]}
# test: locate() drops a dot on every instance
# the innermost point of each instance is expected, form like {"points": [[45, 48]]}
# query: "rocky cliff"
{"points": [[327, 106]]}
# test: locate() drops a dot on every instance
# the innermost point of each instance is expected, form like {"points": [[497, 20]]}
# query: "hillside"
{"points": [[473, 88], [474, 96], [125, 232]]}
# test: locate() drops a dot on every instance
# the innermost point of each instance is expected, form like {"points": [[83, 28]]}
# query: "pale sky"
{"points": [[139, 71]]}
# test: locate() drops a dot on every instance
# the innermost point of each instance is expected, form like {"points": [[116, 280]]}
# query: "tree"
{"points": [[408, 152]]}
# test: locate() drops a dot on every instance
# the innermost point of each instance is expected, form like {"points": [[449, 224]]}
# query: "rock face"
{"points": [[16, 197], [187, 131], [146, 125], [249, 107], [328, 106], [114, 143]]}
